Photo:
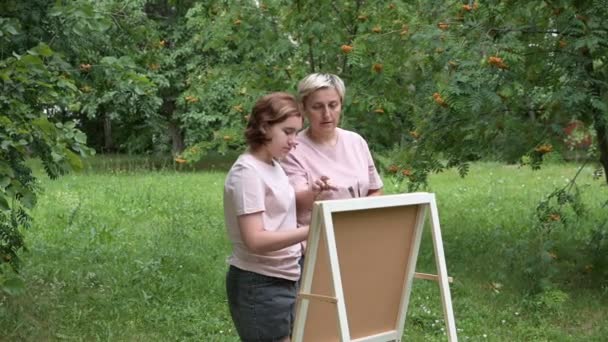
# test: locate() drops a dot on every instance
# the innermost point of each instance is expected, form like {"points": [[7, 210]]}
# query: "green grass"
{"points": [[134, 255]]}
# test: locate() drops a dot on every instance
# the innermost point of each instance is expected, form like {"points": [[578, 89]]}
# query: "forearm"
{"points": [[259, 240], [305, 199], [375, 192], [268, 241]]}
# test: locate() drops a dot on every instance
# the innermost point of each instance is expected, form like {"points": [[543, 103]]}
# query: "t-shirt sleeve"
{"points": [[375, 182], [296, 173], [246, 190]]}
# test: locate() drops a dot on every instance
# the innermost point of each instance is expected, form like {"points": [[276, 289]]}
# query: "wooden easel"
{"points": [[360, 265]]}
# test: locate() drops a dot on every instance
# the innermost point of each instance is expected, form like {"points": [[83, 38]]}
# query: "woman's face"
{"points": [[282, 137], [323, 109]]}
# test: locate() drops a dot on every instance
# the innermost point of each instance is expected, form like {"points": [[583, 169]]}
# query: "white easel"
{"points": [[322, 227]]}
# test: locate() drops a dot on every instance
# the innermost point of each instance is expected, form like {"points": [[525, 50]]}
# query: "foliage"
{"points": [[35, 87], [556, 212], [453, 83], [503, 80], [112, 48]]}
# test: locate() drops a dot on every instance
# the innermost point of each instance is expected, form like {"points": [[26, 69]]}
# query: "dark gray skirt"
{"points": [[262, 307]]}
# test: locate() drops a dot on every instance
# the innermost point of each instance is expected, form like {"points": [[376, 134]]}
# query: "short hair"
{"points": [[314, 82], [269, 110]]}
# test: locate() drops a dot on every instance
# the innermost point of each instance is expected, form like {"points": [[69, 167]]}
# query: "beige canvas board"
{"points": [[374, 249]]}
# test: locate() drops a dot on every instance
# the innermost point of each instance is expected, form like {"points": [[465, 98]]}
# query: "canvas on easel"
{"points": [[360, 265]]}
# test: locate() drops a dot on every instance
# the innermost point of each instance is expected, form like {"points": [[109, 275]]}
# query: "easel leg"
{"points": [[306, 279], [444, 285]]}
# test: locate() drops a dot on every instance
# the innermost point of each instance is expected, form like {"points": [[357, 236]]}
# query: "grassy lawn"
{"points": [[136, 255]]}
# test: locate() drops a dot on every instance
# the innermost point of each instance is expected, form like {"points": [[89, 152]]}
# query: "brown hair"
{"points": [[269, 110]]}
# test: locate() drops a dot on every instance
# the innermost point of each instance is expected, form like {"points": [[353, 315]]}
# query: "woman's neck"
{"points": [[329, 139], [262, 155]]}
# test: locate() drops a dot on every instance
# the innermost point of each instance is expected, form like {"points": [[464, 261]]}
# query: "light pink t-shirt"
{"points": [[254, 186], [348, 164]]}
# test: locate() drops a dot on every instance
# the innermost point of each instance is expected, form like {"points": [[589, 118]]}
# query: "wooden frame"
{"points": [[357, 279]]}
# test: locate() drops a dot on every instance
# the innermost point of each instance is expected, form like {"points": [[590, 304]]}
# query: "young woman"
{"points": [[260, 215]]}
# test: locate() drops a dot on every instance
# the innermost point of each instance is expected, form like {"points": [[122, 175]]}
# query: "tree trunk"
{"points": [[599, 120], [311, 56], [108, 144], [177, 138], [602, 142]]}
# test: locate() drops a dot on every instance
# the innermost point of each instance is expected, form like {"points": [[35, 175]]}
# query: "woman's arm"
{"points": [[259, 241], [305, 199]]}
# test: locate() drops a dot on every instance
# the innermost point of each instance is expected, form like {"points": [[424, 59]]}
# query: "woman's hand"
{"points": [[322, 184]]}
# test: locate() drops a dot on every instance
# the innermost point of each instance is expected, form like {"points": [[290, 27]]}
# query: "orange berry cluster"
{"points": [[191, 99], [497, 62], [85, 67], [470, 8], [395, 169], [346, 48], [439, 100], [544, 148]]}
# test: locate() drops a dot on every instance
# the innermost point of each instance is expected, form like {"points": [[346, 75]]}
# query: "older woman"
{"points": [[329, 162]]}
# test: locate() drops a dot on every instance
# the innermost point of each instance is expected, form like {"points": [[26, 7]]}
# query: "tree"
{"points": [[504, 79], [237, 52], [113, 48], [35, 87]]}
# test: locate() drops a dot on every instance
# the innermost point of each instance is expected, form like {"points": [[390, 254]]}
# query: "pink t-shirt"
{"points": [[254, 186], [348, 164]]}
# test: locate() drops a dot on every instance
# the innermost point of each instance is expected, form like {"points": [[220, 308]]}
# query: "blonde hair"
{"points": [[314, 82]]}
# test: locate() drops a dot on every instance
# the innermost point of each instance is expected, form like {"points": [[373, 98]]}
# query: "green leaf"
{"points": [[5, 144], [11, 29], [4, 181], [56, 11], [44, 125], [13, 286], [74, 160], [80, 137], [44, 50], [30, 60], [77, 31], [4, 203], [28, 198], [67, 84], [599, 105], [6, 169], [56, 157]]}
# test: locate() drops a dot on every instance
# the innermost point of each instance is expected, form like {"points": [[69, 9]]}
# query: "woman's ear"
{"points": [[263, 128]]}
